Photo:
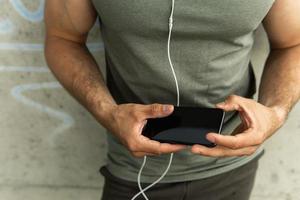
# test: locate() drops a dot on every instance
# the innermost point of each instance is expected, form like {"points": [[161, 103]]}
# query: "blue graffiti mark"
{"points": [[67, 120], [33, 16], [6, 26], [18, 93], [97, 46]]}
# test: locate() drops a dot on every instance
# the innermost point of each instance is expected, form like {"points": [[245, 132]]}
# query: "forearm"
{"points": [[280, 82], [75, 68]]}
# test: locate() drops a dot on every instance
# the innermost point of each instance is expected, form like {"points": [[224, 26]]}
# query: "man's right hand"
{"points": [[127, 121]]}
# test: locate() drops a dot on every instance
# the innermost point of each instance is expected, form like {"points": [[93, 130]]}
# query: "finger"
{"points": [[241, 104], [156, 110], [152, 146], [220, 151], [232, 102], [244, 139]]}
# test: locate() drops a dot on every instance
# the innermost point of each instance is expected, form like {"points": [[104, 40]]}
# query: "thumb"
{"points": [[234, 102], [158, 110]]}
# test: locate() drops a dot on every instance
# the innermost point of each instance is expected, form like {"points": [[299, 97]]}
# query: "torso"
{"points": [[210, 49]]}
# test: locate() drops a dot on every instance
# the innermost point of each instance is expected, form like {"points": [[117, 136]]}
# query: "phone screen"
{"points": [[185, 125]]}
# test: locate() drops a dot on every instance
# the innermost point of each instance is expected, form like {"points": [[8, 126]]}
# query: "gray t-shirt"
{"points": [[210, 49]]}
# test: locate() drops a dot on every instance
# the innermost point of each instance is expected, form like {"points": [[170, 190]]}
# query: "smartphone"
{"points": [[185, 125]]}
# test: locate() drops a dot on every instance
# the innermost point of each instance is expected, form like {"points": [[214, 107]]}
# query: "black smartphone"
{"points": [[185, 125]]}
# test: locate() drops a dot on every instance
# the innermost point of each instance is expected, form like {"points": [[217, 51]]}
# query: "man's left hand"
{"points": [[259, 122]]}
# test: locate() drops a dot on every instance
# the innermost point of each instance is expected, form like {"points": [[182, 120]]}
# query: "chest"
{"points": [[203, 18]]}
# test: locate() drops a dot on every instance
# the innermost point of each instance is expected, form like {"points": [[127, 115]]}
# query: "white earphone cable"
{"points": [[168, 49], [149, 186], [177, 89]]}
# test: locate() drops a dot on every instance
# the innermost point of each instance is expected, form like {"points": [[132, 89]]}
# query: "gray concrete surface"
{"points": [[51, 148]]}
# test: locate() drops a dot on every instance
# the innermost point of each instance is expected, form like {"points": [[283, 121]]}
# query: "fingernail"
{"points": [[211, 138], [166, 108]]}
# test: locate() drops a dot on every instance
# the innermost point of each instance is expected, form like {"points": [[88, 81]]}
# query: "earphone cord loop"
{"points": [[149, 186]]}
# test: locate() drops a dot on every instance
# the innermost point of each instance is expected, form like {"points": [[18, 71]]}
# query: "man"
{"points": [[211, 45]]}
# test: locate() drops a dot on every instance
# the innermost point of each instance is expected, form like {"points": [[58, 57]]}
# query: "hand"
{"points": [[127, 122], [259, 122]]}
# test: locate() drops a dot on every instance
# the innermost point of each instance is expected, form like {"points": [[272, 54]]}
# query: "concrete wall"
{"points": [[51, 148]]}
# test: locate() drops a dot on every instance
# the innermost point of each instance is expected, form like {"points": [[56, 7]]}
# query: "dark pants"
{"points": [[233, 185]]}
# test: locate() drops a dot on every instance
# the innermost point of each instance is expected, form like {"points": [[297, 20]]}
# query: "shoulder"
{"points": [[282, 23]]}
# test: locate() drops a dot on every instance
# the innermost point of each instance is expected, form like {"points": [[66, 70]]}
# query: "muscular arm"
{"points": [[280, 82], [67, 27], [279, 88]]}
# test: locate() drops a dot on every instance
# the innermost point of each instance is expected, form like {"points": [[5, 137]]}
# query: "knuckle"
{"points": [[155, 108], [197, 151], [132, 146], [259, 140], [235, 145], [203, 152], [250, 151], [158, 151]]}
